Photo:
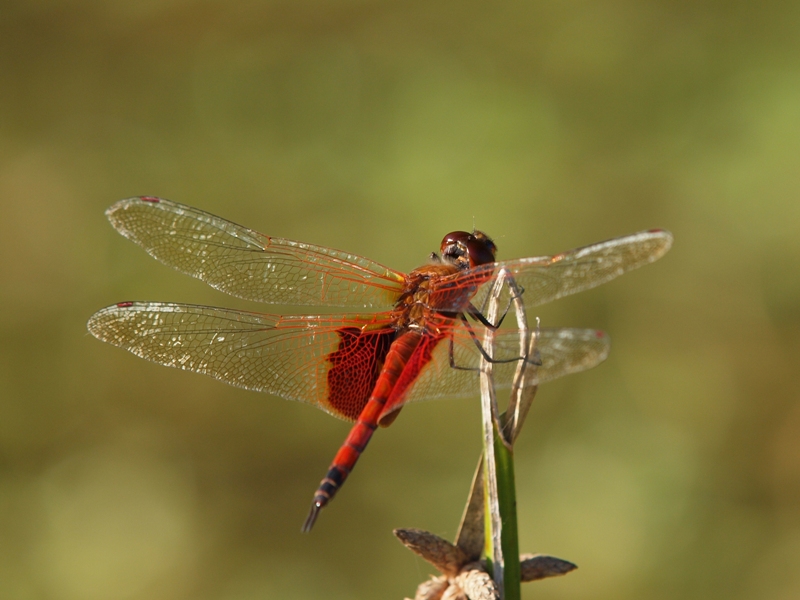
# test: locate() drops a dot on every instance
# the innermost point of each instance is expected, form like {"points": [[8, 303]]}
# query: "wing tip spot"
{"points": [[665, 235]]}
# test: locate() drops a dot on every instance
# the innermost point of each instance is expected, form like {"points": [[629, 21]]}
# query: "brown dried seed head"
{"points": [[432, 589], [476, 583], [439, 552], [539, 566], [454, 593]]}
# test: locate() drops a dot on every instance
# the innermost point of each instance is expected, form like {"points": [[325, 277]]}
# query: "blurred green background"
{"points": [[671, 471]]}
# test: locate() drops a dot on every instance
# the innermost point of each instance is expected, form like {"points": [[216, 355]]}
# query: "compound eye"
{"points": [[456, 238], [481, 249], [455, 248], [467, 250]]}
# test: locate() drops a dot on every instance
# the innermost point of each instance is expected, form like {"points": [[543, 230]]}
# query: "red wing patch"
{"points": [[355, 366]]}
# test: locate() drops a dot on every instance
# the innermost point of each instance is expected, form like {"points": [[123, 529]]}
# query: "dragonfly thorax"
{"points": [[421, 304], [414, 308]]}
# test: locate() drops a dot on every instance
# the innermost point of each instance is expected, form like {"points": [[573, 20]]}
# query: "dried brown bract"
{"points": [[465, 577]]}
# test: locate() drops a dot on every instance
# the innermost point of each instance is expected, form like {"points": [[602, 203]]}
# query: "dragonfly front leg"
{"points": [[516, 292]]}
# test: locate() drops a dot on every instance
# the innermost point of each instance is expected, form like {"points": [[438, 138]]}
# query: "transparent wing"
{"points": [[562, 352], [328, 361], [250, 265], [547, 278]]}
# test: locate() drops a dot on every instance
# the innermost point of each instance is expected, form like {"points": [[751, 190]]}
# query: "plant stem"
{"points": [[501, 540], [507, 497]]}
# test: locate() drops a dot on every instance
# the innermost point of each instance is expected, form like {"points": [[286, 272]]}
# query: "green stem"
{"points": [[507, 497], [507, 504]]}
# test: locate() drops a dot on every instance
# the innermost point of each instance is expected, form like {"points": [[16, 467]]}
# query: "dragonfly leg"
{"points": [[516, 292], [478, 316], [534, 360]]}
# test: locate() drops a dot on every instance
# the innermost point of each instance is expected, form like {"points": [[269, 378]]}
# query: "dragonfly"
{"points": [[417, 337]]}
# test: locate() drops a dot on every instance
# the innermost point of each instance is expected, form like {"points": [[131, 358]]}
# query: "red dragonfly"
{"points": [[358, 367]]}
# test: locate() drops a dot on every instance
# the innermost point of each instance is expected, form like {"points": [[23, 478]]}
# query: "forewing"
{"points": [[561, 352], [329, 361], [250, 265], [547, 278]]}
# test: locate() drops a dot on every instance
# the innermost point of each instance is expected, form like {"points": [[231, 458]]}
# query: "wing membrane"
{"points": [[562, 352], [291, 356], [547, 278], [250, 265], [287, 356]]}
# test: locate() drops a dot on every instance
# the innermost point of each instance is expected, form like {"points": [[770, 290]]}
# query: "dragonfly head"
{"points": [[468, 250]]}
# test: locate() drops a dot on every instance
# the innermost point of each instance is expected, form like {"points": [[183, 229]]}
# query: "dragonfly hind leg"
{"points": [[535, 360]]}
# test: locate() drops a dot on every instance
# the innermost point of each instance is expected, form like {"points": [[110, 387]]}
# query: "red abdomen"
{"points": [[409, 353]]}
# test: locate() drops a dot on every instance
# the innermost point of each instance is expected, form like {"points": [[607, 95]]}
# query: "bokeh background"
{"points": [[671, 471]]}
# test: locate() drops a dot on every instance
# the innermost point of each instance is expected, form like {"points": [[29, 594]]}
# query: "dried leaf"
{"points": [[470, 532], [539, 566], [439, 552]]}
